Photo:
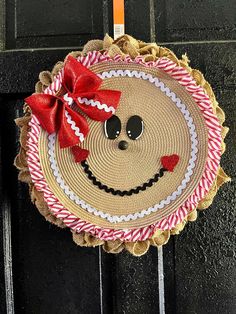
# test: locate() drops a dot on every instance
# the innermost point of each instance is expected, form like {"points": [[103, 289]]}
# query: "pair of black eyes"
{"points": [[134, 127]]}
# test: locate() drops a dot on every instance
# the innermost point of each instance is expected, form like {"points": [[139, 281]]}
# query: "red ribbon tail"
{"points": [[79, 153], [73, 128]]}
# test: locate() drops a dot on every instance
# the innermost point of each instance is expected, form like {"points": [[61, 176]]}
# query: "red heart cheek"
{"points": [[169, 162]]}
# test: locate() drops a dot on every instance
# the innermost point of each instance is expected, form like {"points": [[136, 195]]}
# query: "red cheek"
{"points": [[169, 162]]}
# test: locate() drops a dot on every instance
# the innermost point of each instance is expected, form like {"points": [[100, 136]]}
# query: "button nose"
{"points": [[123, 145]]}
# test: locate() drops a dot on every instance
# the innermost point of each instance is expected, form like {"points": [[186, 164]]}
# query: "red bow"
{"points": [[55, 114]]}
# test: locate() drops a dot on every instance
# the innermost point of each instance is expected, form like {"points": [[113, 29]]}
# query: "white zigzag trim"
{"points": [[161, 204], [91, 102], [74, 127], [68, 99]]}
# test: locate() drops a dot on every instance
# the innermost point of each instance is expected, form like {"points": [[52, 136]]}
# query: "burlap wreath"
{"points": [[151, 52]]}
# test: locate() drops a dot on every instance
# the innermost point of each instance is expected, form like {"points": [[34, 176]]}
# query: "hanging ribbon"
{"points": [[82, 88]]}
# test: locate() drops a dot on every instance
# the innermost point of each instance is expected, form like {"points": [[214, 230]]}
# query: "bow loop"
{"points": [[78, 78], [46, 109]]}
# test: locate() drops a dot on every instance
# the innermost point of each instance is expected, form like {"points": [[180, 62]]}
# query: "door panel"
{"points": [[208, 20], [41, 24], [50, 273]]}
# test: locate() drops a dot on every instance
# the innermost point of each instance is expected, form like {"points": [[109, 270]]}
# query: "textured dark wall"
{"points": [[50, 273]]}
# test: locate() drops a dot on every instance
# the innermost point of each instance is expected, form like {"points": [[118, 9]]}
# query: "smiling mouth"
{"points": [[130, 192]]}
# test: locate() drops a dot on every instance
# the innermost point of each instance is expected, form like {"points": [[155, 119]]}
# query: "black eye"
{"points": [[134, 127], [112, 127]]}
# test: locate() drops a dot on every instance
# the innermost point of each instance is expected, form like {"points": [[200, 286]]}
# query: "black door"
{"points": [[41, 269]]}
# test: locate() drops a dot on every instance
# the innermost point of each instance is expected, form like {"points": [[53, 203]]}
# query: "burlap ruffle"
{"points": [[150, 51]]}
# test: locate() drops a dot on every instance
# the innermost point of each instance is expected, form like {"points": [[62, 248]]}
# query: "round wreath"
{"points": [[129, 52]]}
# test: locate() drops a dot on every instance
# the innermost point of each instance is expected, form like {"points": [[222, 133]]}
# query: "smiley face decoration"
{"points": [[122, 144]]}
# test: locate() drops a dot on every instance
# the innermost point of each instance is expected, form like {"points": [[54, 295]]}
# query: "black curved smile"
{"points": [[130, 192]]}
